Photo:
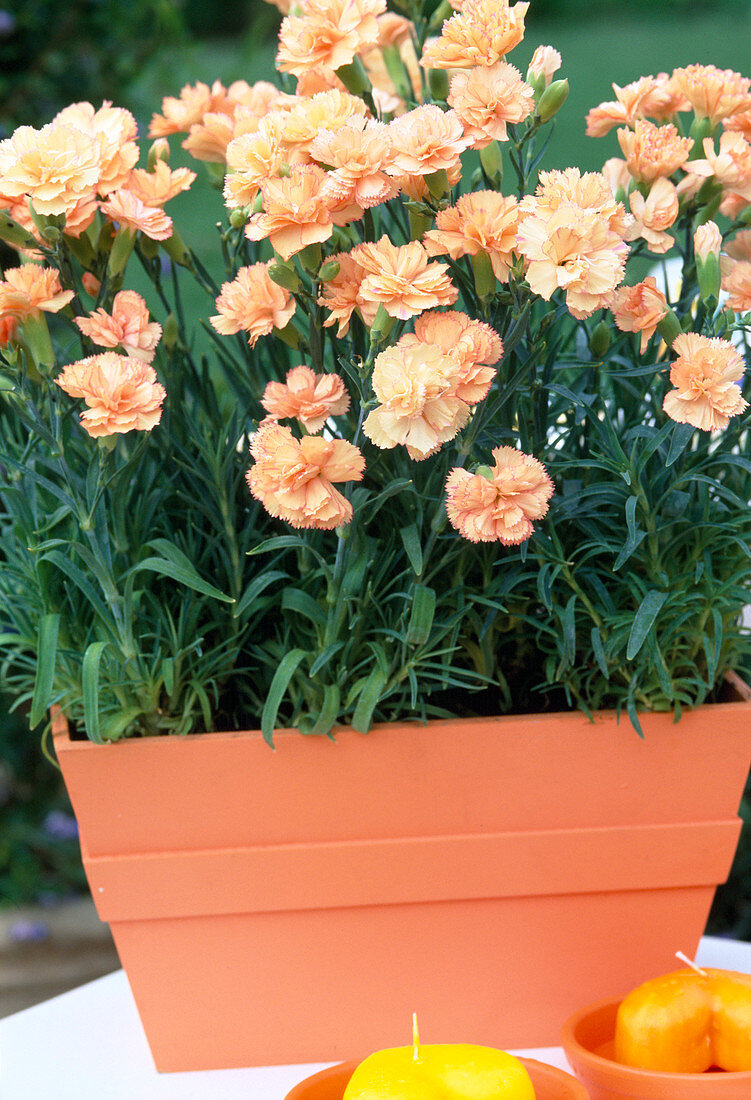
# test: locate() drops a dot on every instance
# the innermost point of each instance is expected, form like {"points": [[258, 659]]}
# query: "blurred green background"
{"points": [[137, 52]]}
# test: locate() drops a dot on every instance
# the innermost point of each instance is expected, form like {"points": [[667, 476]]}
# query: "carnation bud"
{"points": [[545, 61], [382, 325], [484, 276], [14, 234], [159, 150], [122, 246], [438, 82], [284, 275], [745, 215], [669, 327], [707, 245], [177, 251], [599, 341], [492, 162], [438, 183], [552, 99], [237, 218], [700, 128], [170, 332], [51, 234], [354, 77], [257, 203], [310, 256], [329, 271], [150, 248]]}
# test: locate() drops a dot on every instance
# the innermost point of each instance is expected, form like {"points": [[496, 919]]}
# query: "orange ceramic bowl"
{"points": [[549, 1083], [587, 1039]]}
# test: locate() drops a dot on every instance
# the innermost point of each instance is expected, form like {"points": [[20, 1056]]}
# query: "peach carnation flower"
{"points": [[713, 93], [251, 159], [295, 212], [55, 167], [122, 394], [327, 34], [208, 139], [736, 282], [416, 388], [740, 123], [475, 345], [483, 32], [400, 278], [341, 295], [128, 327], [115, 130], [8, 326], [731, 166], [357, 154], [293, 479], [639, 308], [705, 377], [500, 507], [648, 96], [30, 290], [486, 98], [546, 61], [305, 116], [158, 187], [481, 222], [426, 140], [125, 208], [653, 151], [252, 302], [194, 101], [654, 215], [311, 398]]}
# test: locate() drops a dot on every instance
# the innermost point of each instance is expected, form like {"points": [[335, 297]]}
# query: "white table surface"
{"points": [[89, 1045]]}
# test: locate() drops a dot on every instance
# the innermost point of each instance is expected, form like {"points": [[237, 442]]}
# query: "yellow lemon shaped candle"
{"points": [[456, 1071]]}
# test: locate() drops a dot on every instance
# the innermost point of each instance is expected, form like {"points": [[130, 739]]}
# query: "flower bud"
{"points": [[669, 327], [354, 77], [237, 218], [122, 246], [438, 183], [329, 271], [91, 284], [177, 251], [170, 333], [484, 276], [14, 234], [599, 341], [51, 234], [257, 203], [438, 82], [707, 245], [284, 275], [382, 325], [492, 162], [159, 150], [552, 99], [545, 61]]}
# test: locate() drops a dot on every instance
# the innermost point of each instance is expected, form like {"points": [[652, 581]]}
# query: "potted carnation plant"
{"points": [[443, 456]]}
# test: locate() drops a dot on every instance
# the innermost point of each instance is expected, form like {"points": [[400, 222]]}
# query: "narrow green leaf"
{"points": [[362, 719], [411, 542], [168, 674], [90, 690], [254, 590], [630, 545], [183, 574], [45, 671], [421, 617], [116, 724], [568, 622], [290, 542], [329, 711], [644, 619], [324, 657], [599, 652], [633, 714], [294, 599], [682, 434], [278, 689]]}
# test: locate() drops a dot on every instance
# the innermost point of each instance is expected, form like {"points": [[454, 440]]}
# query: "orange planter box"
{"points": [[492, 875]]}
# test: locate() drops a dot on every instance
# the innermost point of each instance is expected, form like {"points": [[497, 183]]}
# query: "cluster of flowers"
{"points": [[305, 172]]}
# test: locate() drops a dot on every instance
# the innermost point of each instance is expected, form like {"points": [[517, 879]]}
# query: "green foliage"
{"points": [[53, 54]]}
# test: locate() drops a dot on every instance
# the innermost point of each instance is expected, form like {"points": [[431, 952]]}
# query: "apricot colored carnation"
{"points": [[55, 167], [426, 140], [295, 212], [501, 507], [357, 155], [309, 397], [400, 278], [127, 326], [327, 34], [736, 282], [705, 376], [571, 235], [739, 123], [486, 98], [158, 187], [639, 308], [483, 32], [125, 208], [180, 113], [8, 327], [294, 479], [253, 303], [546, 61], [115, 130], [653, 151], [251, 159], [713, 93], [481, 222], [122, 394], [654, 215], [475, 345], [208, 139], [341, 295], [642, 98], [418, 407], [731, 166], [305, 116], [30, 290]]}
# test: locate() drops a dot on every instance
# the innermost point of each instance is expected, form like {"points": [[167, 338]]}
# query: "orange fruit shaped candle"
{"points": [[456, 1071], [687, 1022]]}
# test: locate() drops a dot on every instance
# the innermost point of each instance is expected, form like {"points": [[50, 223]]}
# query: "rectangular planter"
{"points": [[492, 875]]}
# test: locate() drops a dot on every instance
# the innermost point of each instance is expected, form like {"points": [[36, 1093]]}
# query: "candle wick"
{"points": [[415, 1039], [685, 959]]}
